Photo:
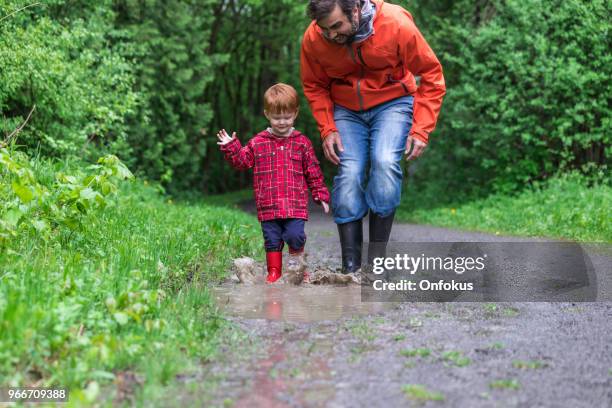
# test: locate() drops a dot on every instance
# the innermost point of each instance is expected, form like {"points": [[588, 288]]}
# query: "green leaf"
{"points": [[40, 225], [23, 192], [123, 172], [121, 318], [13, 216], [107, 188], [88, 193]]}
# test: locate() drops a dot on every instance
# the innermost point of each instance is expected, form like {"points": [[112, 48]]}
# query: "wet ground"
{"points": [[320, 346]]}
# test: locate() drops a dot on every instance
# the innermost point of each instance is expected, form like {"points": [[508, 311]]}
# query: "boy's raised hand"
{"points": [[224, 138]]}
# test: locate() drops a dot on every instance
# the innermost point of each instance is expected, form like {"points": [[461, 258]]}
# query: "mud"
{"points": [[319, 346]]}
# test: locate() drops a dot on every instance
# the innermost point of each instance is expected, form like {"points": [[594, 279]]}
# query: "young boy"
{"points": [[285, 167]]}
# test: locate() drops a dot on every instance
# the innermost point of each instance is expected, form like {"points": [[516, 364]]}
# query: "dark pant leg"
{"points": [[273, 235], [293, 234]]}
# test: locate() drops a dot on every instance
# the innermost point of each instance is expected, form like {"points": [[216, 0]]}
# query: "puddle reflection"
{"points": [[305, 303]]}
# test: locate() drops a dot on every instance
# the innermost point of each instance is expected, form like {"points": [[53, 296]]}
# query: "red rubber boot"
{"points": [[274, 261]]}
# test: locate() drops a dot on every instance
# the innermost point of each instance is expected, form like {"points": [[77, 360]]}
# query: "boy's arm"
{"points": [[239, 157], [314, 175]]}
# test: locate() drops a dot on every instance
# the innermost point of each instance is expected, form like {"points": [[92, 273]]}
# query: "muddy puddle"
{"points": [[304, 303], [321, 294]]}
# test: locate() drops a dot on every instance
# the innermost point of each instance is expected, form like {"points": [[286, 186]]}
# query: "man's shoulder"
{"points": [[394, 16], [311, 34]]}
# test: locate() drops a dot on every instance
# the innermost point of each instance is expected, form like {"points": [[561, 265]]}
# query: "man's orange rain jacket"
{"points": [[382, 67]]}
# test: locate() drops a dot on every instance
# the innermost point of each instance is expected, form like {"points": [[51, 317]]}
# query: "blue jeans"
{"points": [[277, 232], [376, 138]]}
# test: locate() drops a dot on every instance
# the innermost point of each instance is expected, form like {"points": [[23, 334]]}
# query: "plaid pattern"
{"points": [[283, 171]]}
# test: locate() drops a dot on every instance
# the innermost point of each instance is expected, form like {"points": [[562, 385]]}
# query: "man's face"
{"points": [[337, 27]]}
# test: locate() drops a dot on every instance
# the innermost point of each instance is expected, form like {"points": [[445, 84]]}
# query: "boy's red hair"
{"points": [[281, 98]]}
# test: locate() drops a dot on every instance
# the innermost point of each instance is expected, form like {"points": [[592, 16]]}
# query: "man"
{"points": [[359, 59]]}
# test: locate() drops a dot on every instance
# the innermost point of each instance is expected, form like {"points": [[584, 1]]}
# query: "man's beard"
{"points": [[351, 36], [354, 28]]}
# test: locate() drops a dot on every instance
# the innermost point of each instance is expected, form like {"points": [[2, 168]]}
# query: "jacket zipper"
{"points": [[286, 157], [363, 67], [362, 73]]}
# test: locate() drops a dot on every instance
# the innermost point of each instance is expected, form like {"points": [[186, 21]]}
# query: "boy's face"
{"points": [[281, 123]]}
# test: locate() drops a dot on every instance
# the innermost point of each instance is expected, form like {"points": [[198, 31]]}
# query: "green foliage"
{"points": [[420, 393], [569, 206], [124, 292], [528, 94], [167, 44], [31, 207], [153, 81], [262, 50], [56, 56], [119, 76]]}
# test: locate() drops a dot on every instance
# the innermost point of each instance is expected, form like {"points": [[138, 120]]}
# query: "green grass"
{"points": [[128, 293], [529, 365], [456, 358], [417, 352], [497, 346], [418, 392], [493, 310], [231, 199], [564, 207], [360, 330], [510, 383]]}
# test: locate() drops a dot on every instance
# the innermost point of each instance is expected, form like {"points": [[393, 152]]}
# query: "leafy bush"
{"points": [[126, 291], [57, 57], [31, 207], [528, 94], [167, 43]]}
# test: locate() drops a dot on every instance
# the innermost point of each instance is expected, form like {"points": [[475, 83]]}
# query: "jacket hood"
{"points": [[266, 133]]}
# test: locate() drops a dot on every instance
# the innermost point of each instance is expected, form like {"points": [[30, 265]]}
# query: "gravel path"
{"points": [[460, 354]]}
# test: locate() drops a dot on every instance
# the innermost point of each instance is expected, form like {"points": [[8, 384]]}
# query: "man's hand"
{"points": [[417, 148], [331, 140], [224, 137]]}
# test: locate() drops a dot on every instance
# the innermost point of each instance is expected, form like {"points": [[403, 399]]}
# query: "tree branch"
{"points": [[17, 11], [8, 140]]}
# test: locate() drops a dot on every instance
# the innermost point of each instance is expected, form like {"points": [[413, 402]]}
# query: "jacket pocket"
{"points": [[267, 198], [264, 162], [295, 163], [296, 170], [395, 81]]}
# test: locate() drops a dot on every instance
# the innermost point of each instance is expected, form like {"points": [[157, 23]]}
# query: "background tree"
{"points": [[152, 81], [167, 42]]}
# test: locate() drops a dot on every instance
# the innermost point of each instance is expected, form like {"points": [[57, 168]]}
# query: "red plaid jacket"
{"points": [[284, 169]]}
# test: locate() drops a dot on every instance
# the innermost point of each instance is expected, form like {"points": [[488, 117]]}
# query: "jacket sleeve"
{"points": [[314, 175], [239, 157], [316, 85], [421, 61]]}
